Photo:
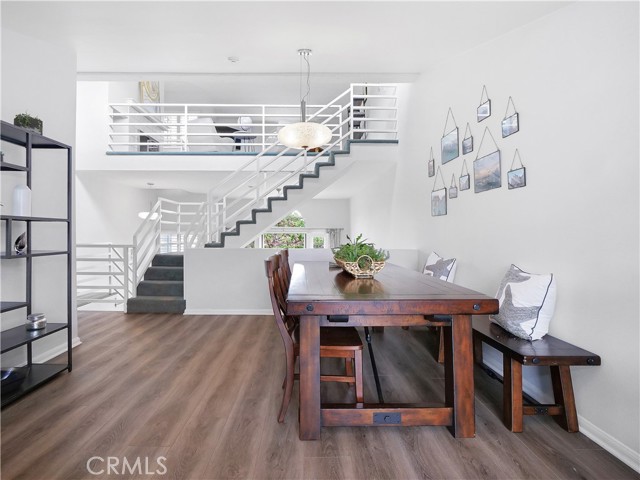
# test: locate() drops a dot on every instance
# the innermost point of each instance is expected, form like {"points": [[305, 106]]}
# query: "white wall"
{"points": [[232, 281], [107, 211], [39, 78], [573, 76]]}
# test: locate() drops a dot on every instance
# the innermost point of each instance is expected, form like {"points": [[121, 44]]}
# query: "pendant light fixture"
{"points": [[304, 134]]}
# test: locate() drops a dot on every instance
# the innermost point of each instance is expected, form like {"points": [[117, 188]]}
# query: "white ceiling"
{"points": [[197, 37], [186, 44]]}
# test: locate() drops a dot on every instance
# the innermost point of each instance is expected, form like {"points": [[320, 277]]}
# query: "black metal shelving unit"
{"points": [[19, 337]]}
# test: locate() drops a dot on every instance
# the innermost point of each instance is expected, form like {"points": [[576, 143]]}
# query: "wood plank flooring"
{"points": [[204, 393]]}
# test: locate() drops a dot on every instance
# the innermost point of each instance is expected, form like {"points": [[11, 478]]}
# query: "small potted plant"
{"points": [[28, 122], [359, 258]]}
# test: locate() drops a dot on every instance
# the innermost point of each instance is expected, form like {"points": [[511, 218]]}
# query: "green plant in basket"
{"points": [[29, 122], [355, 249]]}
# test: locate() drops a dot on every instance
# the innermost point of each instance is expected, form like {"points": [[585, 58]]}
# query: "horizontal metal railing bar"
{"points": [[98, 259], [100, 287], [369, 130], [375, 96], [103, 245], [355, 107], [90, 273], [117, 301], [206, 105]]}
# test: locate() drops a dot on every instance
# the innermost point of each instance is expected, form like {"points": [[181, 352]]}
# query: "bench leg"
{"points": [[563, 393], [512, 394], [477, 349]]}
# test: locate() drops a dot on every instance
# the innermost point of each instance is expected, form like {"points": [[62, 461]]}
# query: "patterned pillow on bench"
{"points": [[527, 301]]}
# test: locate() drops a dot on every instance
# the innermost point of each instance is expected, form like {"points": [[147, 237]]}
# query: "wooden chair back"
{"points": [[285, 324], [284, 264]]}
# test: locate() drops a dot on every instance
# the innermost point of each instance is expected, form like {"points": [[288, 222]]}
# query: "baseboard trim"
{"points": [[55, 351], [212, 311], [612, 445]]}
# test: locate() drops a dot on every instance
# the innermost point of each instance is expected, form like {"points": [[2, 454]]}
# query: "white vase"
{"points": [[22, 201]]}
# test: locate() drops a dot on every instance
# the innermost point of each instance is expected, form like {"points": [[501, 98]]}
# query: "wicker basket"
{"points": [[363, 267]]}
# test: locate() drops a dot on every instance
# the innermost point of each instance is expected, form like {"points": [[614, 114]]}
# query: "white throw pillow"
{"points": [[444, 269], [527, 301]]}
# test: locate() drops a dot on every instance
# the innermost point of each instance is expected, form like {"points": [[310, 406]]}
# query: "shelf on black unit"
{"points": [[35, 253], [12, 167], [18, 336], [20, 218], [38, 374], [8, 306]]}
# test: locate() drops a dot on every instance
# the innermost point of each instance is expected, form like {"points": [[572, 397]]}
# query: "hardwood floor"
{"points": [[187, 389]]}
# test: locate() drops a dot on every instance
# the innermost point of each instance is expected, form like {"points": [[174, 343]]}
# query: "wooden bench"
{"points": [[548, 351]]}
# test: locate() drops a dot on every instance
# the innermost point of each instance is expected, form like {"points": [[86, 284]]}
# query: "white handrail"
{"points": [[104, 273]]}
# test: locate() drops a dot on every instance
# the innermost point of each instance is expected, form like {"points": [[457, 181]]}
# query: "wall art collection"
{"points": [[487, 166]]}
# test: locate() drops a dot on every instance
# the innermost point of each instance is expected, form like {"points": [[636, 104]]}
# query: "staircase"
{"points": [[162, 289], [307, 187]]}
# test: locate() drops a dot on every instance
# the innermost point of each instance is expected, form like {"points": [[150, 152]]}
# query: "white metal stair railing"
{"points": [[146, 242], [169, 227], [182, 225], [104, 273], [251, 185]]}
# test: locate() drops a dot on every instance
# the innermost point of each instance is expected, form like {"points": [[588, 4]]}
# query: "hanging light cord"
{"points": [[306, 59]]}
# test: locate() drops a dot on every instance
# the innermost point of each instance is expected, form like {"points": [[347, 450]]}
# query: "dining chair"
{"points": [[341, 342]]}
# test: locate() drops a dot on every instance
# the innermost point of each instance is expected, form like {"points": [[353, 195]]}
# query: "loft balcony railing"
{"points": [[155, 128]]}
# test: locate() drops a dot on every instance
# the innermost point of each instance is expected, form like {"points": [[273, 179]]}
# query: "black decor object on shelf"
{"points": [[20, 245]]}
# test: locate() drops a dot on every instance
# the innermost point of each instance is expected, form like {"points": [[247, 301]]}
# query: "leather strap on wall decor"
{"points": [[455, 125], [435, 183], [486, 130]]}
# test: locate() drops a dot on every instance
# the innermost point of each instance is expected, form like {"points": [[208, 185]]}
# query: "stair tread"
{"points": [[163, 282], [163, 298]]}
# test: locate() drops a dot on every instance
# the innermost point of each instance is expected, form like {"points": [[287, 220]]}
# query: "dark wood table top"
{"points": [[316, 289]]}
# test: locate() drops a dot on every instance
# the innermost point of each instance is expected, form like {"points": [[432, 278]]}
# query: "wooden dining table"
{"points": [[323, 297]]}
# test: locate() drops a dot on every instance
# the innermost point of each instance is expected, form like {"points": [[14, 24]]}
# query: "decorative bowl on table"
{"points": [[359, 258], [363, 267]]}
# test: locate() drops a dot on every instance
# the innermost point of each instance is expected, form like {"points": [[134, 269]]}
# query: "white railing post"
{"points": [[125, 256]]}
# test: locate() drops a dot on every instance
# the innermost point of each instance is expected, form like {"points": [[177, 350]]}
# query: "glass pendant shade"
{"points": [[304, 135]]}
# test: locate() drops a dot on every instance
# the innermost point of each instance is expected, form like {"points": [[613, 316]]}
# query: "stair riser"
{"points": [[135, 305], [164, 273], [162, 260], [168, 289]]}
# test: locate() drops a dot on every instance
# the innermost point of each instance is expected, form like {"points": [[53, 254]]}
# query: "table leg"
{"points": [[459, 389], [309, 378]]}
